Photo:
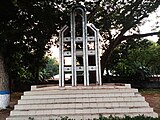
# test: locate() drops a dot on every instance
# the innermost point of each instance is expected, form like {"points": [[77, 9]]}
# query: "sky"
{"points": [[146, 28]]}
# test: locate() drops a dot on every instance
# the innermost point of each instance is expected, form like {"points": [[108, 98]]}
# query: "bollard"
{"points": [[4, 99]]}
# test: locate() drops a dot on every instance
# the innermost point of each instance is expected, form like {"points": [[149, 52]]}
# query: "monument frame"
{"points": [[85, 53]]}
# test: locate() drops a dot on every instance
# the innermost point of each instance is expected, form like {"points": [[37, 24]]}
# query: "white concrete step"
{"points": [[75, 116], [81, 105], [81, 111], [45, 96], [46, 103], [93, 99], [89, 91]]}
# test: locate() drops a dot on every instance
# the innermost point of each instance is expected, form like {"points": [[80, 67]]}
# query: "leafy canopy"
{"points": [[136, 59], [27, 27]]}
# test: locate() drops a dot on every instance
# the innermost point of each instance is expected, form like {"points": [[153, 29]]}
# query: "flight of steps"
{"points": [[49, 103]]}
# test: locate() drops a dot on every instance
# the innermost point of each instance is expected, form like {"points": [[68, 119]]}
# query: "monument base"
{"points": [[80, 86]]}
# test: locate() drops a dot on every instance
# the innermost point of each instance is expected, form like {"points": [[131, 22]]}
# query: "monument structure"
{"points": [[79, 43]]}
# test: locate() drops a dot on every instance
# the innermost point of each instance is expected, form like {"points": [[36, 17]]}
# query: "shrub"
{"points": [[101, 117]]}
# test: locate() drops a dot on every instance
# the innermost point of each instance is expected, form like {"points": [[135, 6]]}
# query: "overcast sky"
{"points": [[150, 25]]}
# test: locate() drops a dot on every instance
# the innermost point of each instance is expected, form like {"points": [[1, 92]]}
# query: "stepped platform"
{"points": [[81, 102]]}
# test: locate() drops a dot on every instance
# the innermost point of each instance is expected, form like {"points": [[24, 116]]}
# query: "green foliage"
{"points": [[25, 33], [140, 117], [64, 118], [115, 18], [50, 69], [101, 117], [150, 91], [30, 118], [136, 58], [25, 38], [26, 28]]}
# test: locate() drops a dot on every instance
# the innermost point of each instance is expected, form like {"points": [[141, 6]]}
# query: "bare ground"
{"points": [[154, 101], [152, 98]]}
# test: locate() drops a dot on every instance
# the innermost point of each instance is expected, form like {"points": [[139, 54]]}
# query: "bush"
{"points": [[101, 117], [140, 117]]}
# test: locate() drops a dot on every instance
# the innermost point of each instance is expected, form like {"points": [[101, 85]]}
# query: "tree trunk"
{"points": [[108, 52], [104, 60], [4, 85]]}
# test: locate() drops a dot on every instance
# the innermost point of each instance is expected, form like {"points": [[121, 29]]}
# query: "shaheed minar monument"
{"points": [[80, 43], [86, 97]]}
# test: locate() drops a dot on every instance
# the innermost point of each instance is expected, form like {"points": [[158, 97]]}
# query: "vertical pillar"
{"points": [[85, 49], [61, 55], [73, 49], [97, 52], [73, 45]]}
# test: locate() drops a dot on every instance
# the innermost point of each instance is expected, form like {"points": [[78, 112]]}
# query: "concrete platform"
{"points": [[53, 102]]}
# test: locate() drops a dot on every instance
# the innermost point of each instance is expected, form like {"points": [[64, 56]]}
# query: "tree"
{"points": [[7, 11], [121, 16], [51, 68], [26, 36], [135, 59]]}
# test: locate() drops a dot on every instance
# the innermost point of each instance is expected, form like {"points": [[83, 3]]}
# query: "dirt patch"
{"points": [[154, 101], [4, 114]]}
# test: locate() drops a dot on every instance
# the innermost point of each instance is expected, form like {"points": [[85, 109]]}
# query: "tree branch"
{"points": [[94, 11], [140, 35]]}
